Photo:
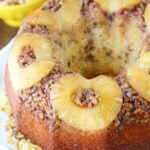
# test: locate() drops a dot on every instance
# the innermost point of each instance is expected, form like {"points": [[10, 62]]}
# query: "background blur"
{"points": [[13, 12], [6, 33]]}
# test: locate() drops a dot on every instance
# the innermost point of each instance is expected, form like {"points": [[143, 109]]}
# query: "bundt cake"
{"points": [[78, 75]]}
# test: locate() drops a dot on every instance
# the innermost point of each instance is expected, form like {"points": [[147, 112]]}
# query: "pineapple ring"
{"points": [[144, 60], [26, 77], [60, 18], [147, 17], [116, 5], [138, 76], [65, 19], [41, 18], [86, 119]]}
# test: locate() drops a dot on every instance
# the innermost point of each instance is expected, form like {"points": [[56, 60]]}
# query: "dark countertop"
{"points": [[6, 33]]}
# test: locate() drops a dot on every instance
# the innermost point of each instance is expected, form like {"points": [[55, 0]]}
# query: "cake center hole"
{"points": [[85, 98], [26, 57]]}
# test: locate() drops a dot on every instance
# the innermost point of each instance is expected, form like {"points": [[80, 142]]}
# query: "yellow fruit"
{"points": [[147, 17], [69, 13], [26, 77], [41, 18], [138, 76], [86, 119], [144, 60], [116, 5]]}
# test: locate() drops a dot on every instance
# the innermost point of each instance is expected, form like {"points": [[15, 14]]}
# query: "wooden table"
{"points": [[6, 33]]}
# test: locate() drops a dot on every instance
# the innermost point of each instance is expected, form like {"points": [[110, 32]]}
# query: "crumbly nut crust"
{"points": [[26, 57], [53, 5], [36, 29], [37, 99], [136, 11], [134, 105], [85, 98]]}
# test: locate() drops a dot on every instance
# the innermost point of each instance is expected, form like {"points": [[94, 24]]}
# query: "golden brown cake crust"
{"points": [[133, 136]]}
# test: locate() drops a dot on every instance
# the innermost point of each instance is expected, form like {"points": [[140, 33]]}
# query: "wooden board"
{"points": [[6, 33]]}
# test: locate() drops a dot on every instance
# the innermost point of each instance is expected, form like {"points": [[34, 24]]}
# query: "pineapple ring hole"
{"points": [[26, 57], [86, 98]]}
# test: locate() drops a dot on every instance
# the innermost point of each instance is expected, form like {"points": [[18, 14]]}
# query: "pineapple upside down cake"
{"points": [[78, 75]]}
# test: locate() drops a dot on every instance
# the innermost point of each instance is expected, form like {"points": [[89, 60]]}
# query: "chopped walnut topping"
{"points": [[26, 57], [136, 11], [134, 108], [37, 99], [86, 98], [36, 29], [53, 5]]}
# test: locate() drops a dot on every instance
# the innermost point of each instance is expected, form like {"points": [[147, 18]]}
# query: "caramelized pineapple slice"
{"points": [[86, 118], [144, 60], [69, 13], [112, 6], [138, 76], [41, 18], [147, 17], [26, 77]]}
